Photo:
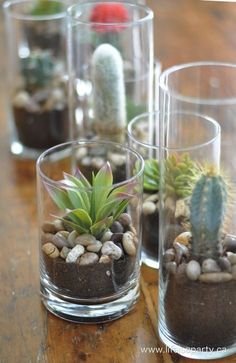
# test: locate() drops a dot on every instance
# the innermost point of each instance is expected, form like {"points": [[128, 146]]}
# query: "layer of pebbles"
{"points": [[208, 270]]}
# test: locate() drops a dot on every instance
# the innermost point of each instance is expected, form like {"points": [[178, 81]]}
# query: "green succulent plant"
{"points": [[90, 207], [45, 7], [207, 213], [151, 175], [181, 173], [37, 69]]}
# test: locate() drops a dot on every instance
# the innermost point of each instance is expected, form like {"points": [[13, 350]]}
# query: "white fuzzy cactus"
{"points": [[109, 104]]}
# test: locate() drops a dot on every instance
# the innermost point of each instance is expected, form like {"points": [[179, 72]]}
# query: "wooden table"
{"points": [[185, 30]]}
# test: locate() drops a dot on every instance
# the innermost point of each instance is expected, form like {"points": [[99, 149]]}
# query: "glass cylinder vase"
{"points": [[198, 283], [110, 67], [89, 230], [37, 80]]}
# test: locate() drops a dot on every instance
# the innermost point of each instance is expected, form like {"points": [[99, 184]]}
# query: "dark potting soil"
{"points": [[44, 40], [200, 314], [41, 130], [98, 280], [119, 173], [150, 236]]}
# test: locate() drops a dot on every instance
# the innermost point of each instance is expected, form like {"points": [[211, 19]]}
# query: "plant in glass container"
{"points": [[40, 103]]}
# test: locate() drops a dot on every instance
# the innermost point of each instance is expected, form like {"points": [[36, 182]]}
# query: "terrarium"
{"points": [[37, 80], [89, 231]]}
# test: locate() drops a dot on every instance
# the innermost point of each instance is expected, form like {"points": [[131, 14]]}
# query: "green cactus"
{"points": [[108, 93], [45, 7], [207, 214], [181, 173], [151, 176], [37, 69]]}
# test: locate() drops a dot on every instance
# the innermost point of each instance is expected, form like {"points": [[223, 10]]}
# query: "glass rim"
{"points": [[82, 143], [179, 149], [148, 16], [7, 6], [195, 100]]}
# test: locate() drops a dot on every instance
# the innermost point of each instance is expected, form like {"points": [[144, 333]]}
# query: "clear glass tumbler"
{"points": [[37, 76], [197, 273], [110, 50], [89, 229], [142, 137]]}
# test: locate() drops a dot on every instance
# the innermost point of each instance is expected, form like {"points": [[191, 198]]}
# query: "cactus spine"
{"points": [[108, 93], [207, 214]]}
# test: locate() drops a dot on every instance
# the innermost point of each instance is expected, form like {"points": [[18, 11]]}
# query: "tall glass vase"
{"points": [[37, 81], [110, 67], [197, 268]]}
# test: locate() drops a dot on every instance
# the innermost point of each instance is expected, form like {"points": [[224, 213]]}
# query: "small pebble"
{"points": [[148, 208], [110, 249], [107, 236], [86, 161], [97, 162], [22, 99], [224, 264], [76, 252], [104, 259], [152, 198], [60, 239], [128, 243], [95, 247], [210, 265], [117, 227], [88, 258], [215, 277], [81, 152], [193, 270], [64, 252], [116, 159], [181, 209], [48, 227], [231, 257], [50, 250], [58, 95], [58, 224], [108, 273], [125, 219], [183, 238], [230, 243], [85, 239], [116, 237], [171, 267], [71, 238], [48, 237], [169, 255]]}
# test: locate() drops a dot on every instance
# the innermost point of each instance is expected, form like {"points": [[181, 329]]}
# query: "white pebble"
{"points": [[231, 257], [76, 252], [110, 249], [81, 152], [148, 208], [210, 265], [214, 277], [128, 243], [22, 99], [104, 259], [193, 270]]}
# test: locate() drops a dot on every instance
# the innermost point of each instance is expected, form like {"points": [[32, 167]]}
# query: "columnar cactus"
{"points": [[37, 69], [207, 214], [108, 93]]}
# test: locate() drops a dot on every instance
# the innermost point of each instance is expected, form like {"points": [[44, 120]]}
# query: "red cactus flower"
{"points": [[111, 14]]}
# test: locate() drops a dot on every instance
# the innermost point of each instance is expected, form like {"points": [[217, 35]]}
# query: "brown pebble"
{"points": [[104, 259], [88, 258], [58, 224], [50, 250], [48, 227], [47, 237], [214, 277], [125, 219]]}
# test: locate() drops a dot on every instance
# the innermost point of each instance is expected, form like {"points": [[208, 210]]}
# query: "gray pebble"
{"points": [[58, 224], [116, 237], [48, 227], [88, 258], [233, 271], [128, 243], [214, 277], [193, 270], [60, 239], [64, 252], [104, 259], [86, 161], [169, 255], [210, 265], [148, 208], [71, 238], [50, 250], [171, 267], [106, 236], [231, 257], [75, 253], [110, 249], [95, 247], [125, 219], [224, 264], [117, 227], [85, 239], [230, 243]]}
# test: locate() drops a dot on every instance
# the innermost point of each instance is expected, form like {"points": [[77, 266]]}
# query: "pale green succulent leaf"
{"points": [[98, 228], [81, 217], [59, 196]]}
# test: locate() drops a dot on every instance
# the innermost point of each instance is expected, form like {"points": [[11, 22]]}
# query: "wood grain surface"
{"points": [[185, 30]]}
